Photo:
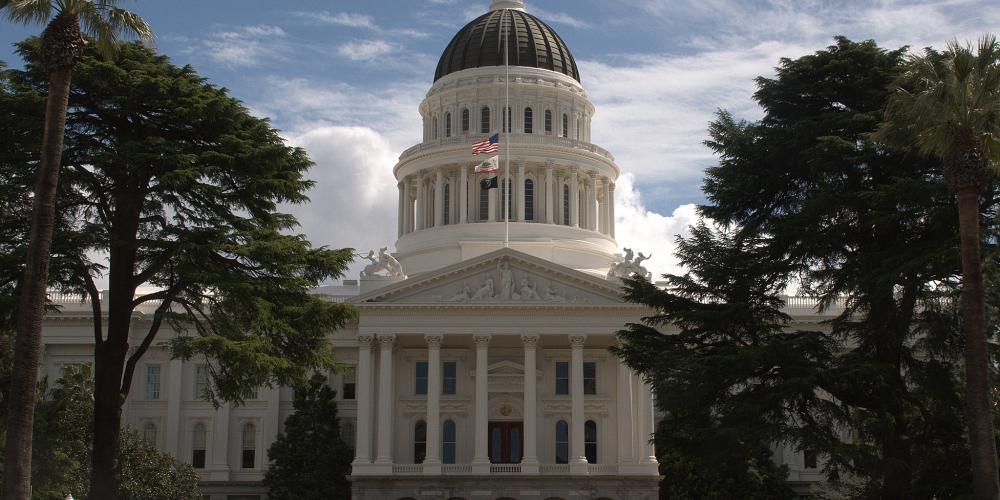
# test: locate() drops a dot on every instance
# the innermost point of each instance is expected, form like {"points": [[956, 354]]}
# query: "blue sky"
{"points": [[343, 79]]}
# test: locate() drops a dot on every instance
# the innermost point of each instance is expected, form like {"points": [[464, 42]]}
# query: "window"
{"points": [[149, 433], [508, 198], [562, 442], [589, 377], [198, 446], [348, 433], [448, 443], [350, 384], [447, 124], [419, 442], [809, 457], [562, 377], [465, 120], [152, 382], [484, 125], [506, 120], [434, 124], [447, 203], [201, 381], [565, 204], [421, 378], [484, 203], [450, 376], [590, 441], [529, 199], [528, 118], [548, 121], [247, 458], [565, 125]]}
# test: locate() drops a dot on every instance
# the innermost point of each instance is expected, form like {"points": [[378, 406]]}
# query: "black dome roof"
{"points": [[531, 42]]}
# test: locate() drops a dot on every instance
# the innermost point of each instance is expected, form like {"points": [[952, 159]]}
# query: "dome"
{"points": [[532, 43]]}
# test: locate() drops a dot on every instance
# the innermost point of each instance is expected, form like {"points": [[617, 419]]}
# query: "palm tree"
{"points": [[62, 48], [950, 103]]}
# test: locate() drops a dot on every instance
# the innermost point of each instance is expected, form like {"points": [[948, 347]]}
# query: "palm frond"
{"points": [[27, 11]]}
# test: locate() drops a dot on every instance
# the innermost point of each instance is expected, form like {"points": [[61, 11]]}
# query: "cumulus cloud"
{"points": [[347, 19], [365, 50], [649, 232], [246, 46]]}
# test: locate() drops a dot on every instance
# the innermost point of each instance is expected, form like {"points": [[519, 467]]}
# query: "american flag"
{"points": [[489, 146]]}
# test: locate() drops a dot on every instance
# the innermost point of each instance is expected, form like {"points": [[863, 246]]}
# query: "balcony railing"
{"points": [[515, 140]]}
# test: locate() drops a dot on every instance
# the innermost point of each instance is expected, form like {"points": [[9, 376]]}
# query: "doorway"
{"points": [[506, 442]]}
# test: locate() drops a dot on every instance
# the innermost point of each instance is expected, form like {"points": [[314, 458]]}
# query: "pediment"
{"points": [[504, 277]]}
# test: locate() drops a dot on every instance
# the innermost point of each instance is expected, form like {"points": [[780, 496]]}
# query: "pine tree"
{"points": [[310, 460]]}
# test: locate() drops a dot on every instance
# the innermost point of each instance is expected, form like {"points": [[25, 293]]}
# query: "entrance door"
{"points": [[506, 442]]}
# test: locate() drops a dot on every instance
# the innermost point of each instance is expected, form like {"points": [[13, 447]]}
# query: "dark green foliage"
{"points": [[310, 460], [807, 195]]}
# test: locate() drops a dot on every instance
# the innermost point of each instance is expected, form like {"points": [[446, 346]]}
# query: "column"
{"points": [[171, 431], [647, 453], [432, 459], [407, 206], [592, 203], [463, 195], [574, 198], [399, 211], [577, 456], [362, 447], [220, 444], [605, 206], [626, 450], [529, 463], [439, 199], [549, 197], [421, 200], [385, 385], [481, 459], [519, 189], [611, 210], [272, 420]]}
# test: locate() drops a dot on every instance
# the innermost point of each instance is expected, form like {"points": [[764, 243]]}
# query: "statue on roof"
{"points": [[628, 264]]}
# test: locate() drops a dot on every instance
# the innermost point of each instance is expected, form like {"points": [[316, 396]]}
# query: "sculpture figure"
{"points": [[462, 296], [626, 265], [385, 262], [526, 290], [485, 290], [506, 281]]}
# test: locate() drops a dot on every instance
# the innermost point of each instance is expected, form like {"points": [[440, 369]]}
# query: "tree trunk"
{"points": [[982, 443], [31, 306]]}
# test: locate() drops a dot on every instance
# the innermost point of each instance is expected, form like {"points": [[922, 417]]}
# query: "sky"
{"points": [[344, 78]]}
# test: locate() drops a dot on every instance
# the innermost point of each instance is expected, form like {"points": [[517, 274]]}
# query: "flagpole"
{"points": [[508, 120]]}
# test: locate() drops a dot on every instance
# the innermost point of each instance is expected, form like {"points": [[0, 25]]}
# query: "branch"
{"points": [[169, 293], [143, 347], [95, 306], [194, 311]]}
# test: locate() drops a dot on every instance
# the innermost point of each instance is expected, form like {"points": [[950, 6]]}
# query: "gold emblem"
{"points": [[505, 409]]}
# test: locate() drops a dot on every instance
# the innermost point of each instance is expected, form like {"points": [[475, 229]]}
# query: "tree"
{"points": [[310, 460], [62, 47], [180, 185], [807, 195], [950, 103]]}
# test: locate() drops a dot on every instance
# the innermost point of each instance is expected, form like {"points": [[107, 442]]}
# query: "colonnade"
{"points": [[451, 195], [632, 409]]}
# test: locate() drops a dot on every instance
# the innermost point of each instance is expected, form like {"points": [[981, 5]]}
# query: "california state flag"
{"points": [[488, 169]]}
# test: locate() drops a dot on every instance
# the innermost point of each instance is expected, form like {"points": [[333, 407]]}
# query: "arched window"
{"points": [[529, 199], [447, 203], [434, 124], [198, 446], [507, 120], [565, 125], [447, 124], [465, 120], [448, 442], [149, 433], [565, 204], [562, 442], [590, 441], [508, 198], [419, 441], [484, 203], [484, 125], [528, 119], [248, 457], [548, 121]]}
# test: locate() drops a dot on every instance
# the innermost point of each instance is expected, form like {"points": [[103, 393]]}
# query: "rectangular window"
{"points": [[253, 395], [350, 384], [450, 378], [548, 122], [810, 459], [562, 377], [421, 378], [247, 459], [152, 382], [198, 459], [589, 377], [200, 381]]}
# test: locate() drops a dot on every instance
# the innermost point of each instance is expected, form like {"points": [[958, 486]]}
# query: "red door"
{"points": [[506, 442]]}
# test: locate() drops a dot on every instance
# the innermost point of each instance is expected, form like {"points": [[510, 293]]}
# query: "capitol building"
{"points": [[479, 363]]}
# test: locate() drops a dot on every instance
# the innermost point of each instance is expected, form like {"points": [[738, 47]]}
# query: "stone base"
{"points": [[502, 486]]}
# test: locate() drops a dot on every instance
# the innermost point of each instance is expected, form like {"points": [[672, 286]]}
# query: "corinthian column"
{"points": [[385, 385], [574, 198], [439, 199], [529, 463], [481, 459], [463, 194], [578, 457], [432, 460], [362, 447]]}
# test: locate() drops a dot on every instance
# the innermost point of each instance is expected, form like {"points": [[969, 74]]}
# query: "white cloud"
{"points": [[645, 231], [365, 50], [348, 19], [247, 46], [561, 18]]}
